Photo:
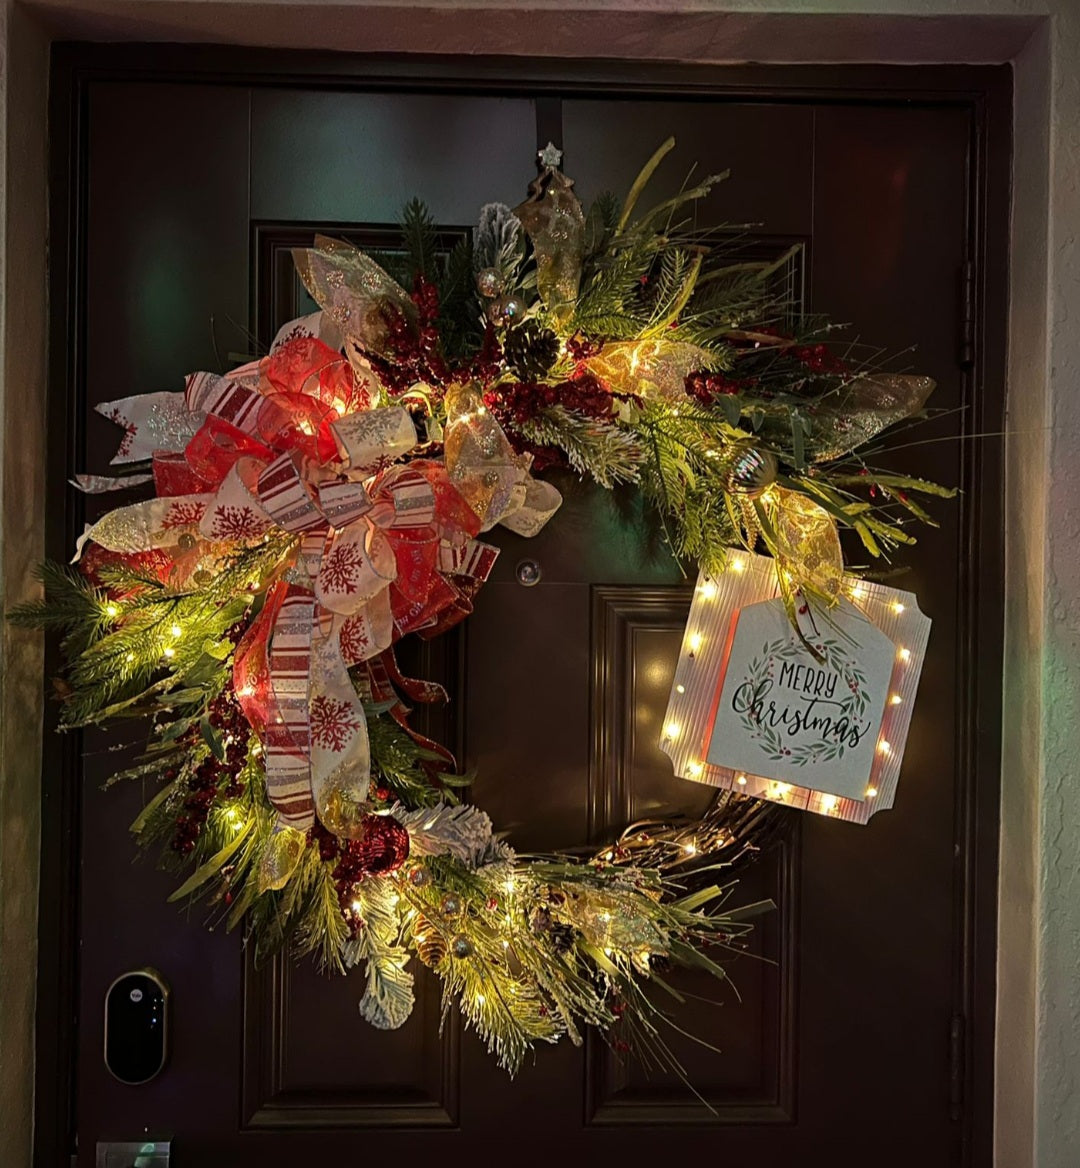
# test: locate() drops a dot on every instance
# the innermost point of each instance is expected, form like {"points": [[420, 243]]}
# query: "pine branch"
{"points": [[602, 449]]}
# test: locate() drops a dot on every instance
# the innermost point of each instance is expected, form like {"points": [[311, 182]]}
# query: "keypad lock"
{"points": [[136, 1026]]}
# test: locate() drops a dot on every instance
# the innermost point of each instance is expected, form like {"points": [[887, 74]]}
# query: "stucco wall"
{"points": [[1038, 1116], [22, 440]]}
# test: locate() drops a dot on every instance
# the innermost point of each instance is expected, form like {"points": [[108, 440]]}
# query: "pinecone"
{"points": [[530, 350], [430, 944]]}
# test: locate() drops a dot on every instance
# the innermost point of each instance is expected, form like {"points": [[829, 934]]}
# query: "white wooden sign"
{"points": [[753, 709]]}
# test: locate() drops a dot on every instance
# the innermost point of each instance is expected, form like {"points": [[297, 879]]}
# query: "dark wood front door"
{"points": [[862, 1037]]}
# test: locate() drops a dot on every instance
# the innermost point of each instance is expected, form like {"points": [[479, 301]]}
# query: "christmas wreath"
{"points": [[315, 505]]}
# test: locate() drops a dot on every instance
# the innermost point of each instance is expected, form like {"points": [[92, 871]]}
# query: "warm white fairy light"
{"points": [[356, 906], [897, 607], [671, 730], [871, 792], [741, 780], [170, 652], [680, 689], [895, 699], [905, 654], [112, 610], [884, 747], [690, 848], [694, 769], [738, 564], [858, 591], [695, 642], [829, 803], [176, 630], [708, 590]]}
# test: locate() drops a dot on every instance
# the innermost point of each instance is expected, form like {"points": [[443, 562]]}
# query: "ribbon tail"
{"points": [[338, 736]]}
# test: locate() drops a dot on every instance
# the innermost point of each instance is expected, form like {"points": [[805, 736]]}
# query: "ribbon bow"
{"points": [[291, 444]]}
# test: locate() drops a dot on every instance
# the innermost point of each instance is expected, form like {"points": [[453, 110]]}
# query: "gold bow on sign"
{"points": [[807, 544]]}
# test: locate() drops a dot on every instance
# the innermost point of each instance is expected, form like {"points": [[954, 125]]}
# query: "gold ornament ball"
{"points": [[187, 541], [748, 470]]}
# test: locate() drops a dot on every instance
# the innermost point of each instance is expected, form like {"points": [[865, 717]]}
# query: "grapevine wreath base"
{"points": [[313, 506]]}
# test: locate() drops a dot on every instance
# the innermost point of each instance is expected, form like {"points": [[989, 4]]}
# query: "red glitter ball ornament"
{"points": [[383, 848]]}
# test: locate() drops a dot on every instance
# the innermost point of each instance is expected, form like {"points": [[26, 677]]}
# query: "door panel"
{"points": [[839, 1044]]}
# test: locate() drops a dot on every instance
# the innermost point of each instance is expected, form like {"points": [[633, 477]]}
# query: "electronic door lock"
{"points": [[136, 1026]]}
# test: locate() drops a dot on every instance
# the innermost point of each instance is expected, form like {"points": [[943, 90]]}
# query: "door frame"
{"points": [[984, 91]]}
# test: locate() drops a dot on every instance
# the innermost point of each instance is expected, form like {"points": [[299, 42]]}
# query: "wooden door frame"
{"points": [[984, 91]]}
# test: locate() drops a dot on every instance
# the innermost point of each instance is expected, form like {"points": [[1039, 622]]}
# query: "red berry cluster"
{"points": [[581, 347], [213, 777], [518, 402], [706, 387], [415, 352], [818, 358], [487, 364], [426, 298]]}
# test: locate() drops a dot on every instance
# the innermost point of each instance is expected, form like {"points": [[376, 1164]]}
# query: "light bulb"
{"points": [[708, 590], [905, 654], [170, 652], [871, 792], [895, 700], [111, 610], [680, 689], [176, 630], [694, 769], [671, 730], [695, 642]]}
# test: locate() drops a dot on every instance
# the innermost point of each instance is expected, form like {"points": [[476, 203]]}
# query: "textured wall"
{"points": [[22, 444]]}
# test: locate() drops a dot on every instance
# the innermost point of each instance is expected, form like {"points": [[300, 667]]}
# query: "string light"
{"points": [[829, 803], [895, 699], [690, 849], [356, 906], [695, 642], [111, 610], [871, 792], [858, 591], [694, 769], [708, 590], [680, 689], [741, 780], [905, 654], [738, 564], [897, 607], [884, 747], [176, 630], [170, 652], [671, 730]]}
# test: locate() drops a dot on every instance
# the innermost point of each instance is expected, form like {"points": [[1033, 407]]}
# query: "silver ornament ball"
{"points": [[506, 309], [487, 282], [748, 470]]}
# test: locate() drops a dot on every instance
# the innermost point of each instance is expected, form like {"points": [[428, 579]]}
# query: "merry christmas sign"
{"points": [[817, 720]]}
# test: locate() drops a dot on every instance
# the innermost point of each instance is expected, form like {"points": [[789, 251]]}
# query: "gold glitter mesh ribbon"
{"points": [[351, 289], [862, 408], [807, 542], [647, 368], [554, 221]]}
